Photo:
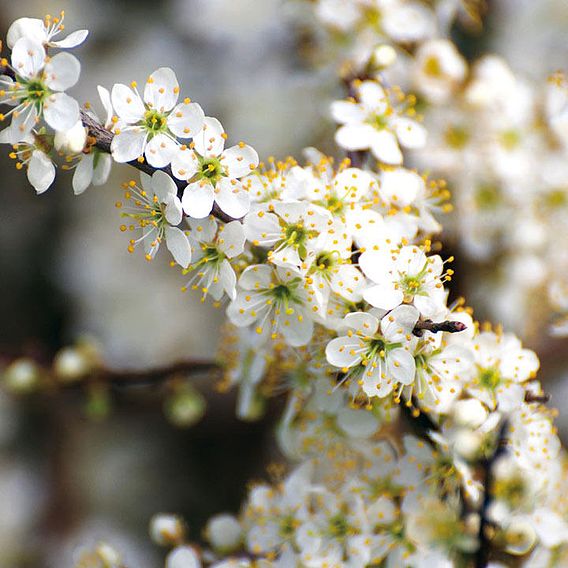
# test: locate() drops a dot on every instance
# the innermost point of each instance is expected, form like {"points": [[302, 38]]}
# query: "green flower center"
{"points": [[339, 526], [211, 169], [457, 137], [36, 92], [325, 261], [334, 204], [287, 527], [378, 121], [488, 196], [510, 139], [490, 378], [155, 122], [396, 530], [282, 293], [555, 199], [295, 234]]}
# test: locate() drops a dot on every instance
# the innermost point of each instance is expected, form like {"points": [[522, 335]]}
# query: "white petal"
{"points": [[104, 95], [61, 111], [184, 163], [62, 72], [300, 330], [383, 296], [376, 265], [385, 148], [103, 165], [357, 423], [72, 40], [400, 185], [372, 96], [409, 133], [366, 324], [127, 104], [41, 171], [163, 186], [256, 277], [183, 557], [232, 240], [228, 279], [343, 352], [203, 230], [401, 366], [399, 323], [239, 160], [178, 245], [197, 200], [186, 120], [83, 175], [346, 112], [160, 150], [32, 28], [174, 211], [20, 127], [232, 198], [355, 136], [209, 141], [28, 57], [162, 90], [128, 145]]}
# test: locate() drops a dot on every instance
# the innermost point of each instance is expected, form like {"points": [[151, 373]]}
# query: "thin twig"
{"points": [[447, 326]]}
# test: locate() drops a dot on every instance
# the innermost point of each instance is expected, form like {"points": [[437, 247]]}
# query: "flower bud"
{"points": [[519, 537], [469, 413], [71, 141], [185, 407], [71, 364], [22, 376], [100, 556], [224, 533], [383, 56], [167, 529], [108, 555], [468, 444], [183, 557]]}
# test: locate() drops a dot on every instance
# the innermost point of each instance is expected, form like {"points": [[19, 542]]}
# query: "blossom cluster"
{"points": [[418, 437], [496, 137], [501, 145]]}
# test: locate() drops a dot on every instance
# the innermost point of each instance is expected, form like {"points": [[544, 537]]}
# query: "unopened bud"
{"points": [[101, 556], [22, 376], [185, 407], [469, 413], [224, 533], [71, 364], [468, 444], [183, 557], [519, 537], [167, 529], [383, 56], [71, 141]]}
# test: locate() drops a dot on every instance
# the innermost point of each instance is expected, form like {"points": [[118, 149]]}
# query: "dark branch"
{"points": [[428, 325], [542, 398], [487, 480], [118, 378], [157, 375]]}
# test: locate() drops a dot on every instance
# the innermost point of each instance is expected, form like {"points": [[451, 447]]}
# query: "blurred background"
{"points": [[66, 481]]}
